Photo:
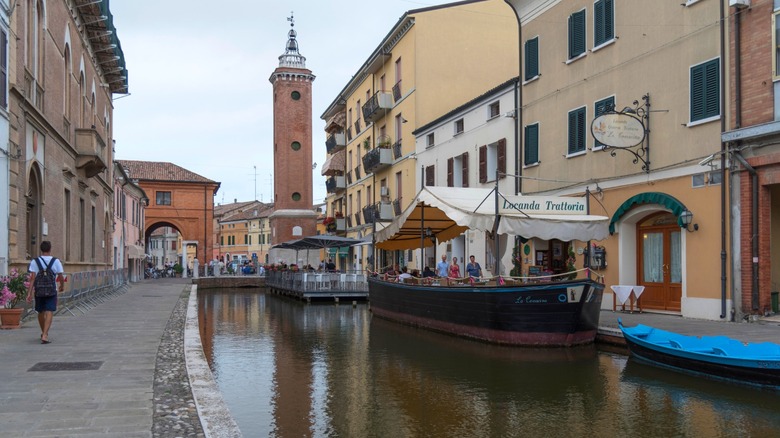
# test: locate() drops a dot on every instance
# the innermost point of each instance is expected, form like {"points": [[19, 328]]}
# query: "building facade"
{"points": [[64, 64], [431, 61], [5, 156], [585, 59], [128, 247]]}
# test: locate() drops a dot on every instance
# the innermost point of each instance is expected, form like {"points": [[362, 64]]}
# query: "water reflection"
{"points": [[290, 369]]}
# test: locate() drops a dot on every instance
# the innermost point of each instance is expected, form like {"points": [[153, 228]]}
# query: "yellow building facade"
{"points": [[582, 59], [431, 61]]}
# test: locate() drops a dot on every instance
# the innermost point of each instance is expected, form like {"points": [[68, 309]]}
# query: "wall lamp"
{"points": [[686, 217]]}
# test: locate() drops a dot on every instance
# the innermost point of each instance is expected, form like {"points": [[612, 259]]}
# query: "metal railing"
{"points": [[89, 288], [314, 281]]}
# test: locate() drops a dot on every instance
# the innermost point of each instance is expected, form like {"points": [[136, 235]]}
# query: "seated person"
{"points": [[416, 273], [404, 275], [427, 272]]}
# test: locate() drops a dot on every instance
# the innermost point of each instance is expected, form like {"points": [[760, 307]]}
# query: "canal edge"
{"points": [[215, 417]]}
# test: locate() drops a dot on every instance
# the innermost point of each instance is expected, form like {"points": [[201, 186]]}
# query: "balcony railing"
{"points": [[335, 184], [385, 211], [341, 224], [358, 175], [369, 213], [397, 206], [349, 134], [397, 149], [357, 219], [357, 126], [335, 142], [377, 159], [397, 91], [376, 107], [349, 177]]}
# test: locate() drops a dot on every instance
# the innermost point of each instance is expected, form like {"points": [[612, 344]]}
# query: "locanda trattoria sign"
{"points": [[542, 205]]}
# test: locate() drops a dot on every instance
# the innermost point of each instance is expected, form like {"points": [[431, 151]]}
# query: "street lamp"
{"points": [[686, 217]]}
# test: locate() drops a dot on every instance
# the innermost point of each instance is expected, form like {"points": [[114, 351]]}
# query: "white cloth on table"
{"points": [[624, 292]]}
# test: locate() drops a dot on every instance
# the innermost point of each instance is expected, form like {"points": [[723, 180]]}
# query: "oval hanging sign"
{"points": [[617, 130]]}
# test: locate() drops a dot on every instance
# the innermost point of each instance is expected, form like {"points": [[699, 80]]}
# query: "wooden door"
{"points": [[660, 262]]}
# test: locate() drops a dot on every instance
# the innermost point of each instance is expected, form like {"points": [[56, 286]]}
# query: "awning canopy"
{"points": [[449, 211], [135, 252], [336, 123], [318, 242], [335, 163], [668, 201]]}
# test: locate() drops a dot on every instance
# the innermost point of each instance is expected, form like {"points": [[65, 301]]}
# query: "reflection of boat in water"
{"points": [[712, 356], [454, 366], [503, 310]]}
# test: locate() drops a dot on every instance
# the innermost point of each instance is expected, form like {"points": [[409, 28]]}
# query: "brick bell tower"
{"points": [[294, 216]]}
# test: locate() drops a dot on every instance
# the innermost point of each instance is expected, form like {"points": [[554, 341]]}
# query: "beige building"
{"points": [[433, 60], [582, 59], [65, 64]]}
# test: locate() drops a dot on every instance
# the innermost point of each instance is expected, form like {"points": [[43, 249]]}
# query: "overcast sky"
{"points": [[198, 78]]}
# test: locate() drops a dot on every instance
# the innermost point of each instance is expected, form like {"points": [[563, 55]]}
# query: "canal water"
{"points": [[287, 369]]}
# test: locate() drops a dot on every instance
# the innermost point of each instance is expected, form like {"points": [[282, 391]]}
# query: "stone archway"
{"points": [[33, 205]]}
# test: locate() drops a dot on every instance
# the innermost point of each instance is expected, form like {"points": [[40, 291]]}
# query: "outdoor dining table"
{"points": [[625, 293]]}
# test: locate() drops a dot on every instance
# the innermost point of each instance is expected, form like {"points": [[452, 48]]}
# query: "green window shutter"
{"points": [[531, 144], [576, 34], [600, 107], [531, 58], [705, 90], [576, 131], [603, 22]]}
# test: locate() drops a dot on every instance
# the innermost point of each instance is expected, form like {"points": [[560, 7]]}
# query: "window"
{"points": [[3, 69], [599, 108], [531, 58], [430, 141], [577, 131], [163, 198], [576, 34], [458, 171], [531, 145], [705, 90], [397, 87], [458, 126], [430, 176], [82, 229], [296, 146], [603, 22], [66, 201], [492, 158], [295, 95], [94, 233], [494, 109]]}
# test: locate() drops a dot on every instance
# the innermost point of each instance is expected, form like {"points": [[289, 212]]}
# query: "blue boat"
{"points": [[713, 356]]}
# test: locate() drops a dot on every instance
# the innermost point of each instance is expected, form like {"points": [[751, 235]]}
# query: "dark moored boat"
{"points": [[556, 313], [714, 356]]}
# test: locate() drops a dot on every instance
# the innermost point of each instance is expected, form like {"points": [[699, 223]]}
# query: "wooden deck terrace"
{"points": [[311, 286]]}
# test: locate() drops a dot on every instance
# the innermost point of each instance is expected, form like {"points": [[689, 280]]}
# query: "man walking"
{"points": [[443, 268], [46, 268]]}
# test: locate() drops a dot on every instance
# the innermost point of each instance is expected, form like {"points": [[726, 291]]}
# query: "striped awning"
{"points": [[334, 165], [336, 123], [135, 252]]}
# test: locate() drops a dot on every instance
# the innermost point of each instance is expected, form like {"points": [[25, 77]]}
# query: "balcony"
{"points": [[377, 159], [397, 91], [335, 142], [90, 148], [397, 207], [349, 134], [341, 224], [335, 184], [349, 177], [397, 152], [385, 211], [357, 127], [357, 219], [369, 213], [358, 175], [377, 106]]}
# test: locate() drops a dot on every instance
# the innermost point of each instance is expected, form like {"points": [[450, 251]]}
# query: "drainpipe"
{"points": [[723, 151], [518, 101], [753, 227]]}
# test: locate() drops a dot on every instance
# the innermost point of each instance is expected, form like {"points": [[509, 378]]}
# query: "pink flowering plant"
{"points": [[13, 288]]}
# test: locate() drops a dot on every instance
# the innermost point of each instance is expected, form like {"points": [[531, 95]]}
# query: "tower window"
{"points": [[296, 196], [295, 95], [295, 145]]}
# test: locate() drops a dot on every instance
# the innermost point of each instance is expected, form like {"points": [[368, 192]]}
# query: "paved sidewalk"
{"points": [[123, 335]]}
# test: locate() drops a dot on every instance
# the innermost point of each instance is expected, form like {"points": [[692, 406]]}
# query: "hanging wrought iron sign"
{"points": [[625, 130], [618, 130]]}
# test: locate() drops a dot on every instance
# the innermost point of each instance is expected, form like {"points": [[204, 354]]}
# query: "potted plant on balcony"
{"points": [[330, 224], [366, 144], [13, 291], [383, 143]]}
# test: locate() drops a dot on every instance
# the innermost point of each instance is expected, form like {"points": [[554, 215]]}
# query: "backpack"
{"points": [[45, 281]]}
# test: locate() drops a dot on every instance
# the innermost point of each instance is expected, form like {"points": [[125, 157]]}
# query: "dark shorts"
{"points": [[48, 304]]}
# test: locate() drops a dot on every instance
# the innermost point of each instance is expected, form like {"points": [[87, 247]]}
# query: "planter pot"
{"points": [[11, 318]]}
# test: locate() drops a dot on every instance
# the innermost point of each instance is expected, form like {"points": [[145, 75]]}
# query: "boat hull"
{"points": [[755, 371], [547, 314]]}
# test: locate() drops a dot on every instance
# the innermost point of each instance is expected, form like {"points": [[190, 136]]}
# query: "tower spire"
{"points": [[292, 57]]}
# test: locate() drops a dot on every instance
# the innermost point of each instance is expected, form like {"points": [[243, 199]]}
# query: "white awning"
{"points": [[135, 252], [449, 211]]}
